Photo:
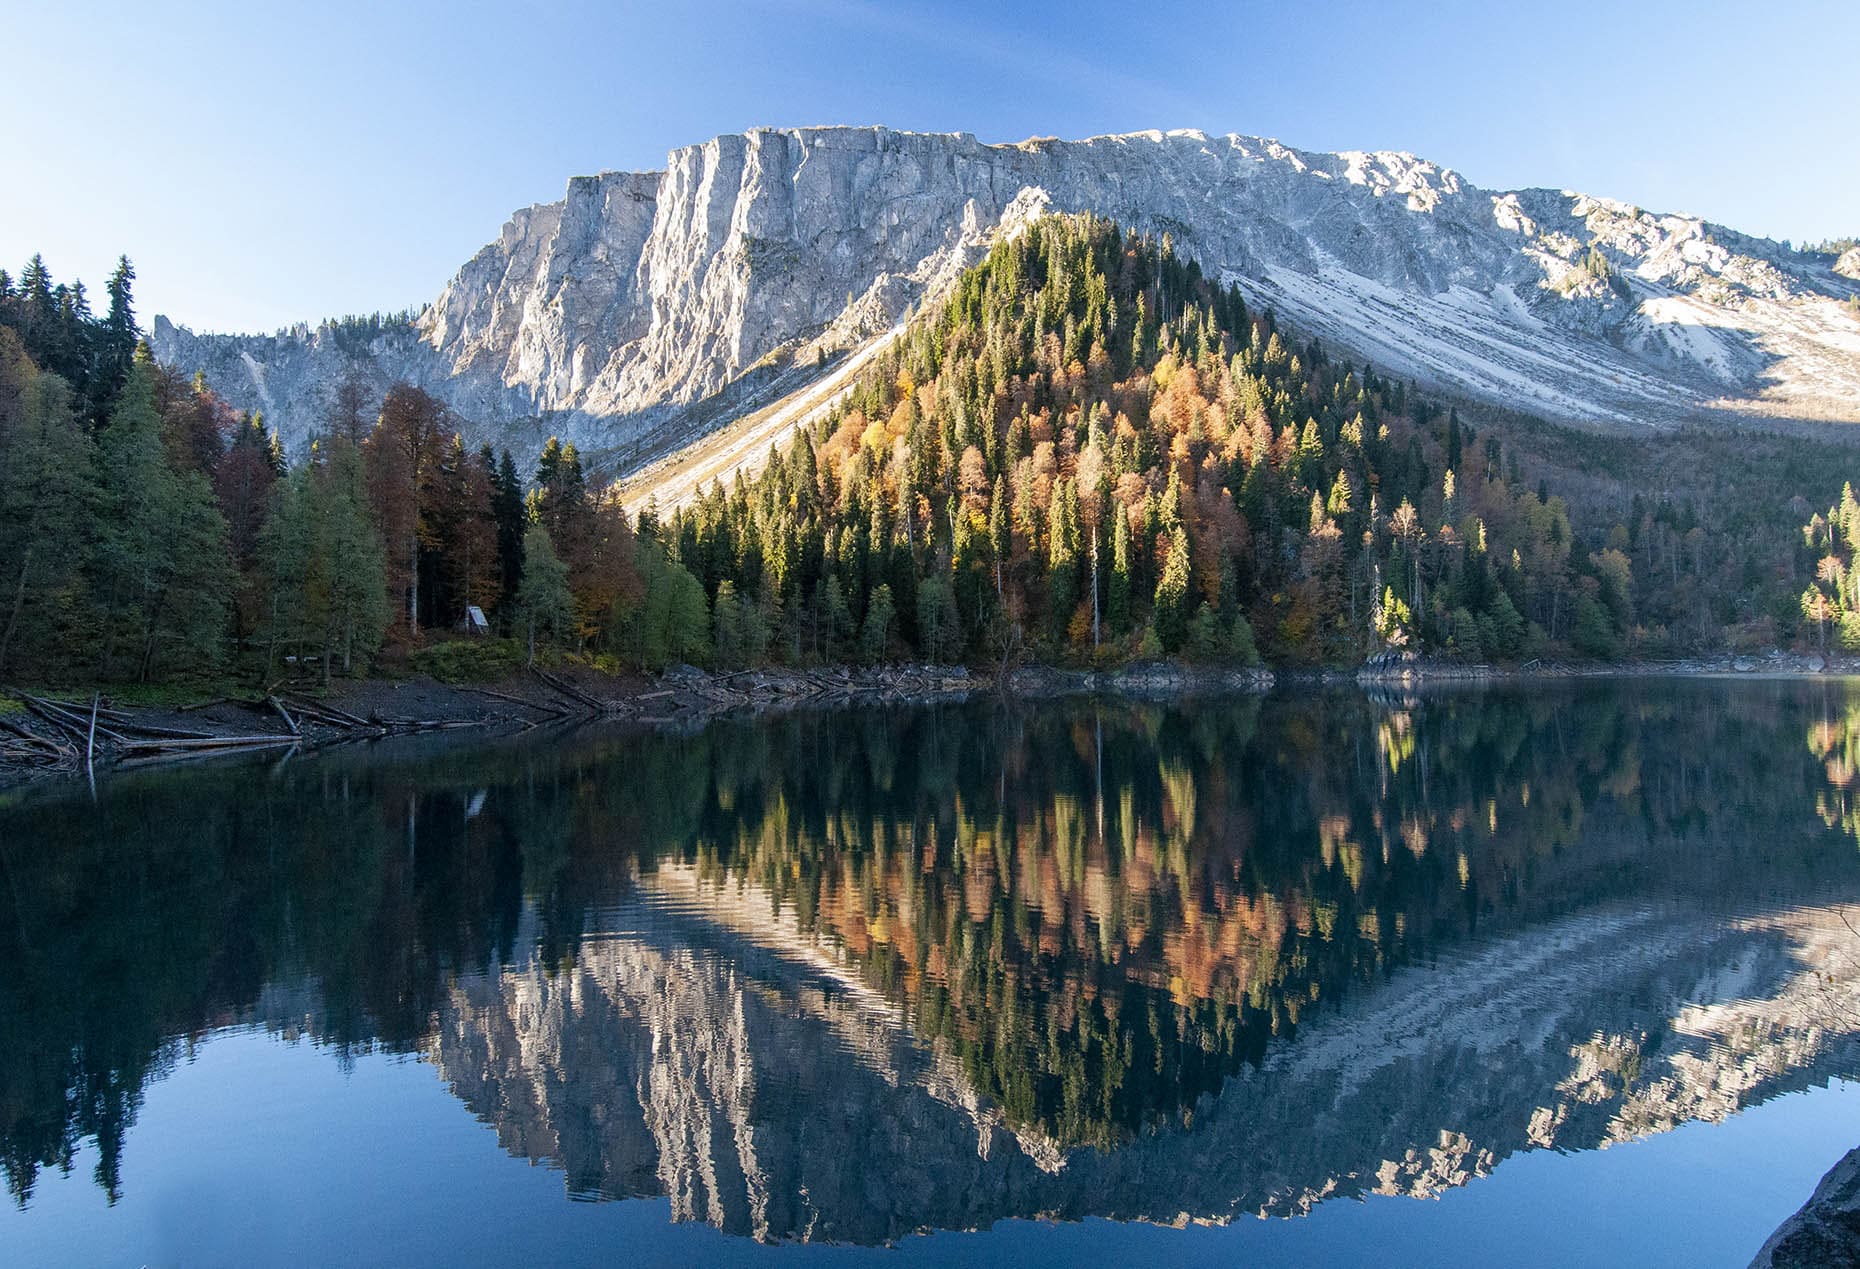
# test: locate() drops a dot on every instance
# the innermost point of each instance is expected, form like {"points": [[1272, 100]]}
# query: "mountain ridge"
{"points": [[610, 314]]}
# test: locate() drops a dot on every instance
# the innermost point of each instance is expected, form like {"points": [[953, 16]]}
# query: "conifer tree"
{"points": [[120, 332], [324, 565], [47, 500], [164, 569], [875, 635], [1171, 616], [507, 510], [545, 606]]}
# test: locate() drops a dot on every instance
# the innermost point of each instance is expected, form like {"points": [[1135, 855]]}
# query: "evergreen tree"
{"points": [[730, 639], [164, 570], [324, 565], [1172, 598], [507, 510], [875, 636], [120, 334], [545, 606], [47, 503]]}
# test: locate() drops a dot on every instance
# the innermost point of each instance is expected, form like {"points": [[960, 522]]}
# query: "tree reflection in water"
{"points": [[1090, 915]]}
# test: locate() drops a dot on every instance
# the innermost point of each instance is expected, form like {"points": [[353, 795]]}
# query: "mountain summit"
{"points": [[644, 309]]}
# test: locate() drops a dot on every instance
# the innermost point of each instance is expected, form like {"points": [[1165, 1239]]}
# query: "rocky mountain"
{"points": [[645, 309]]}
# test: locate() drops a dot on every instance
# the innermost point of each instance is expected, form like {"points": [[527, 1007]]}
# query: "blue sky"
{"points": [[263, 163]]}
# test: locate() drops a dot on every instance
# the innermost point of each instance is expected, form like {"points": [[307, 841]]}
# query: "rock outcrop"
{"points": [[645, 308], [1825, 1234]]}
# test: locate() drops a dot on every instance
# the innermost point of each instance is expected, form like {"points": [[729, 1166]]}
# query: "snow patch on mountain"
{"points": [[624, 315]]}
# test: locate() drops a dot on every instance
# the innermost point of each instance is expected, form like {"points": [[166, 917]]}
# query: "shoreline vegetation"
{"points": [[62, 732], [1088, 456]]}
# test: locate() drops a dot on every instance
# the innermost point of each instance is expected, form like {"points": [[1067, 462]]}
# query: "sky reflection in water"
{"points": [[849, 977]]}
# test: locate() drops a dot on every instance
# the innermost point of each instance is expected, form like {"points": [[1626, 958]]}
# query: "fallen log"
{"points": [[26, 739], [569, 690], [172, 733], [330, 713], [518, 700], [285, 714], [217, 742], [312, 714], [167, 756], [36, 749], [73, 724], [9, 725]]}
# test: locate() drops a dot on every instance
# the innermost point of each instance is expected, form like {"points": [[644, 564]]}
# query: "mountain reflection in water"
{"points": [[850, 976]]}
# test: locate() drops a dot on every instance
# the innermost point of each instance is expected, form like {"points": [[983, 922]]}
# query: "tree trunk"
{"points": [[19, 604], [145, 672], [1094, 589], [107, 653]]}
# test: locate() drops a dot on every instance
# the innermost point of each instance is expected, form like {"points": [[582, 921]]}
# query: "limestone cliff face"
{"points": [[606, 314]]}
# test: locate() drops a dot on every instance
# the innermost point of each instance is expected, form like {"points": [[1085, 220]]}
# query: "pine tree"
{"points": [[323, 563], [875, 636], [1171, 612], [507, 510], [120, 333], [836, 617], [164, 566], [243, 483], [730, 640], [1118, 589], [545, 606], [47, 498]]}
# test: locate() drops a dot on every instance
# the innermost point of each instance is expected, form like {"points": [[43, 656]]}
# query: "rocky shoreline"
{"points": [[1407, 668], [59, 735], [62, 735]]}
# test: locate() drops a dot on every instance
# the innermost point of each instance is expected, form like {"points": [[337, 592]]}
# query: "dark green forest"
{"points": [[1088, 454]]}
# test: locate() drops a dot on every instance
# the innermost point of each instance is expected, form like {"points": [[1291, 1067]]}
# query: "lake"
{"points": [[1531, 975]]}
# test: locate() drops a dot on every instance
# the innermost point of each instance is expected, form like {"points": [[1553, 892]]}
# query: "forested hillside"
{"points": [[1093, 451], [1089, 454]]}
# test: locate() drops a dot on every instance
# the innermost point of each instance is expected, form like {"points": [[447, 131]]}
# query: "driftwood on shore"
{"points": [[59, 736], [140, 747], [63, 736]]}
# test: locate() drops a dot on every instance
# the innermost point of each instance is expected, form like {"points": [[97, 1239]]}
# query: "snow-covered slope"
{"points": [[609, 315]]}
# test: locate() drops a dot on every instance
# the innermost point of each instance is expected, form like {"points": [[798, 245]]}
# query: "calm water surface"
{"points": [[1522, 976]]}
